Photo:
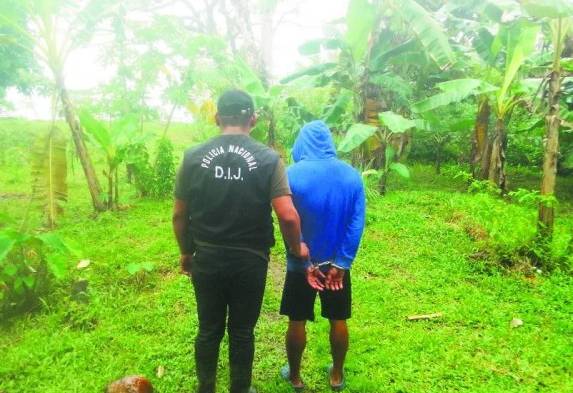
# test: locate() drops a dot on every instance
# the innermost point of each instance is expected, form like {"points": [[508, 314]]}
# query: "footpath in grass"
{"points": [[418, 256]]}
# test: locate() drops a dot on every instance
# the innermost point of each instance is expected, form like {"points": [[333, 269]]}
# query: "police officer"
{"points": [[222, 220]]}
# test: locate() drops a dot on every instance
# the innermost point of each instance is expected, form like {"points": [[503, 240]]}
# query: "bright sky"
{"points": [[83, 71]]}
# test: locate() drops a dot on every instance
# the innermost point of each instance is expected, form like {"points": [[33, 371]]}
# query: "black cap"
{"points": [[235, 103]]}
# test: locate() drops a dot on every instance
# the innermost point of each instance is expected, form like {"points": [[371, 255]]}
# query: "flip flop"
{"points": [[285, 374], [336, 387]]}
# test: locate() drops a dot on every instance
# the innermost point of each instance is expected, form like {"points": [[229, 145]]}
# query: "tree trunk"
{"points": [[439, 159], [497, 159], [169, 120], [81, 149], [370, 108], [382, 183], [480, 138], [484, 165], [272, 130], [116, 184], [130, 169], [552, 122], [110, 188], [400, 146], [266, 51], [384, 169]]}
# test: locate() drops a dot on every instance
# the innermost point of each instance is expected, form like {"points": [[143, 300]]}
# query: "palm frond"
{"points": [[49, 172]]}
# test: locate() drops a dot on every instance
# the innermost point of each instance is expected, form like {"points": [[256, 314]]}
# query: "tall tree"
{"points": [[55, 28], [248, 26], [559, 13], [15, 63]]}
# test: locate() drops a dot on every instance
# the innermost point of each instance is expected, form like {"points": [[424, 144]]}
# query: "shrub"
{"points": [[139, 271], [139, 171], [164, 169], [28, 266], [152, 180]]}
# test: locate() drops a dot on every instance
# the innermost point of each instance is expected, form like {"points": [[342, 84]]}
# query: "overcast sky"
{"points": [[84, 72]]}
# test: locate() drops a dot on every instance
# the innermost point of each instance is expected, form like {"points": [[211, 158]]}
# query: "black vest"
{"points": [[229, 192]]}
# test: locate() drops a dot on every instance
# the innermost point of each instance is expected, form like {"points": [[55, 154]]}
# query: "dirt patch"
{"points": [[475, 231]]}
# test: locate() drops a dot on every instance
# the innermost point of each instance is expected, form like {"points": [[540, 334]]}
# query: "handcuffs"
{"points": [[312, 267]]}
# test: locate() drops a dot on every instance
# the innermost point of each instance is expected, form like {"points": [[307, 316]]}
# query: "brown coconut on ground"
{"points": [[131, 384]]}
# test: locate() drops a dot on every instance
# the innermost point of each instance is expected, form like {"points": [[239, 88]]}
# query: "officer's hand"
{"points": [[315, 278], [334, 278], [185, 263]]}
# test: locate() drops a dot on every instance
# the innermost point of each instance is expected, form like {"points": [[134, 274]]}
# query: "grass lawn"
{"points": [[424, 250]]}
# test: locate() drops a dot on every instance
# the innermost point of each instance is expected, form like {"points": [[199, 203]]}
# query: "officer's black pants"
{"points": [[227, 283]]}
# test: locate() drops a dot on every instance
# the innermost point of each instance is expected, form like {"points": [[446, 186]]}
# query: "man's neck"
{"points": [[235, 130]]}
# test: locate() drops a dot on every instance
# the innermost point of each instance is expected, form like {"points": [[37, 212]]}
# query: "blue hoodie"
{"points": [[329, 196]]}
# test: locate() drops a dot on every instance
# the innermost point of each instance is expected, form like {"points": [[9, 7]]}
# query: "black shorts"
{"points": [[298, 299]]}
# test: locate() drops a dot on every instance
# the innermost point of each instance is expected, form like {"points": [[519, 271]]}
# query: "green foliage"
{"points": [[477, 186], [115, 141], [370, 178], [428, 245], [28, 266], [356, 136], [135, 268], [395, 122], [398, 89], [360, 20], [334, 113], [400, 169], [483, 186], [520, 41], [49, 173], [314, 47], [453, 91], [548, 8], [152, 178], [381, 57], [16, 59], [426, 30], [310, 71], [164, 169], [139, 170], [533, 198]]}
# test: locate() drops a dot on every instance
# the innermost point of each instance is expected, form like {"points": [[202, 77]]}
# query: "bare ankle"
{"points": [[335, 376]]}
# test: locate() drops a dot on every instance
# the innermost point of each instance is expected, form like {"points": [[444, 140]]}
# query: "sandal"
{"points": [[285, 374], [336, 387]]}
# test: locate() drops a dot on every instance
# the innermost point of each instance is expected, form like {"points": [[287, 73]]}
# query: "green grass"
{"points": [[421, 253]]}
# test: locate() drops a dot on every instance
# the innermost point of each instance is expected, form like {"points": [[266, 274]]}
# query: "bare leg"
{"points": [[295, 343], [338, 348]]}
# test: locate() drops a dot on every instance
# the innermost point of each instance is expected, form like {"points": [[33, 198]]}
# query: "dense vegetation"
{"points": [[457, 113]]}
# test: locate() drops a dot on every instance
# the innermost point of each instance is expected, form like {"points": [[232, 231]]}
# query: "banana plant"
{"points": [[393, 125], [369, 53], [114, 141], [52, 29], [558, 14], [49, 173], [519, 41], [441, 127]]}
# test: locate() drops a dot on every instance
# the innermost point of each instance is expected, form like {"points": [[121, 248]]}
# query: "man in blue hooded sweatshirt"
{"points": [[329, 197]]}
